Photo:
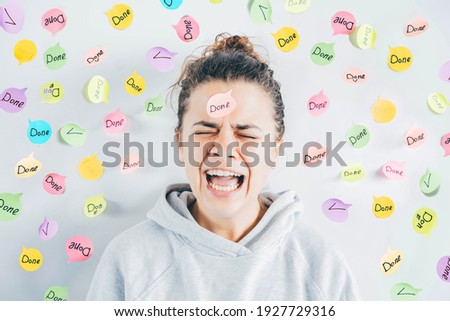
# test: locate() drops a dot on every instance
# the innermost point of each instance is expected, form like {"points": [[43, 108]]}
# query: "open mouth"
{"points": [[224, 180]]}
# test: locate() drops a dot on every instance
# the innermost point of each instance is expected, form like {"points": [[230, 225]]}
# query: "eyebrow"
{"points": [[215, 125]]}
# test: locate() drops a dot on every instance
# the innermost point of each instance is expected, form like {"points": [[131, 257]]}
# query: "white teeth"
{"points": [[219, 172], [227, 188]]}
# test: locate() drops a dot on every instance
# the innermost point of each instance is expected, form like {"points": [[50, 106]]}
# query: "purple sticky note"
{"points": [[444, 72], [48, 229], [13, 100], [161, 59], [336, 210], [12, 16]]}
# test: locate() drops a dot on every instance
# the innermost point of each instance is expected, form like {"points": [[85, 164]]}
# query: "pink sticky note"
{"points": [[318, 104], [355, 76], [94, 56], [445, 143], [48, 229], [220, 105], [444, 72], [187, 29], [12, 16], [314, 156], [415, 27], [343, 23], [54, 20], [79, 248], [161, 59], [335, 210], [130, 163], [54, 184], [415, 137], [394, 170], [115, 122]]}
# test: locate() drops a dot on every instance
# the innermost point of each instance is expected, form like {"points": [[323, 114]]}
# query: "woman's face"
{"points": [[229, 165]]}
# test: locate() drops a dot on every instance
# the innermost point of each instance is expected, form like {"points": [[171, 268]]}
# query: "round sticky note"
{"points": [[39, 131], [25, 51], [10, 206], [94, 56], [391, 261], [96, 90], [187, 29], [51, 92], [94, 206], [30, 259], [358, 136], [13, 100], [322, 53], [399, 58], [443, 268], [336, 210], [48, 229], [27, 167], [424, 221], [343, 23], [383, 111], [73, 134], [415, 27], [404, 292], [90, 168], [445, 143], [54, 20], [220, 105], [161, 59], [318, 104], [437, 103], [297, 6], [56, 293], [286, 39], [115, 122], [394, 170], [260, 11], [54, 184], [79, 248], [429, 182], [363, 37], [154, 106], [415, 137], [383, 207], [135, 84], [55, 57], [353, 173], [120, 16]]}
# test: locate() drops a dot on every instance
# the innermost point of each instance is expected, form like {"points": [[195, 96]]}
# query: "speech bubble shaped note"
{"points": [[260, 11], [56, 293], [322, 53], [445, 143], [12, 16], [336, 210], [437, 103], [161, 59], [48, 229], [171, 4], [394, 170], [154, 106], [404, 292], [187, 29], [399, 58], [318, 104], [358, 136], [383, 207], [391, 261], [73, 134], [10, 206], [134, 84], [27, 167], [95, 56], [130, 163], [343, 23], [13, 100], [94, 206], [79, 249], [424, 221], [55, 57], [383, 110], [443, 268], [51, 92], [39, 131], [54, 20], [363, 37], [286, 39], [54, 184], [25, 51], [353, 173], [297, 6], [415, 27], [429, 182], [115, 122], [314, 155], [415, 137], [30, 259], [220, 105], [444, 72], [215, 1], [96, 90], [120, 16], [355, 76], [91, 168]]}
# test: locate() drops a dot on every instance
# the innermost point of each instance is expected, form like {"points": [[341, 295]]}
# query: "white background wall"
{"points": [[363, 237]]}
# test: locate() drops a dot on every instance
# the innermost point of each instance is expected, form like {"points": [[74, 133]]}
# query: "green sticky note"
{"points": [[73, 134], [260, 11], [358, 136], [353, 173], [404, 292], [94, 206], [56, 293], [430, 182], [10, 206], [154, 105], [322, 53], [55, 57]]}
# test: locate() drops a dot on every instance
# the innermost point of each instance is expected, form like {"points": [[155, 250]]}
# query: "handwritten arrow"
{"points": [[73, 133], [404, 293], [46, 229], [262, 11], [158, 57], [335, 208], [12, 22], [428, 183]]}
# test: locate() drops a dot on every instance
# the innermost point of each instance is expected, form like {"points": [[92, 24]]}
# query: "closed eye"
{"points": [[248, 136], [204, 133]]}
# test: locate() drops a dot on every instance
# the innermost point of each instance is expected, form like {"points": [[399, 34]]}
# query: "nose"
{"points": [[224, 145]]}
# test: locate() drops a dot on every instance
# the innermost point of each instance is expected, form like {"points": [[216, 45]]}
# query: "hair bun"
{"points": [[226, 42]]}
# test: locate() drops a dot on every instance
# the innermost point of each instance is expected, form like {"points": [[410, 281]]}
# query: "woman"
{"points": [[222, 237]]}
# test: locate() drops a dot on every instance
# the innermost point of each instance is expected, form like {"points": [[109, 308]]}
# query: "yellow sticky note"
{"points": [[383, 207], [90, 168], [286, 39], [391, 261], [399, 58], [120, 16], [30, 259], [383, 111], [135, 84]]}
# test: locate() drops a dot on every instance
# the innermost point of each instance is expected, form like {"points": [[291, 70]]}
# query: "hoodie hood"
{"points": [[172, 213]]}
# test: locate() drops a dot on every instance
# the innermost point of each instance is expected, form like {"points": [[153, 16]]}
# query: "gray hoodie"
{"points": [[171, 257]]}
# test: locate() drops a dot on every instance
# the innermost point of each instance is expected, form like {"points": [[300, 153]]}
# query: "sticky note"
{"points": [[54, 20], [260, 11], [161, 59], [154, 106], [322, 53], [286, 39], [437, 103], [94, 206], [314, 155], [115, 122], [54, 184], [394, 170], [383, 206], [56, 293], [171, 4], [51, 92], [415, 27], [220, 104], [404, 292], [12, 16], [358, 136], [79, 249], [55, 57], [318, 104], [25, 51], [39, 131], [130, 163], [10, 206], [187, 29], [429, 182], [73, 134], [399, 58], [215, 1], [424, 221], [135, 84], [27, 167], [383, 110], [443, 268], [343, 23], [445, 143], [297, 6], [391, 261], [13, 100], [48, 229], [95, 56], [363, 37], [415, 137], [90, 168], [336, 210], [30, 259], [120, 16], [355, 76], [353, 173], [444, 72], [96, 90]]}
